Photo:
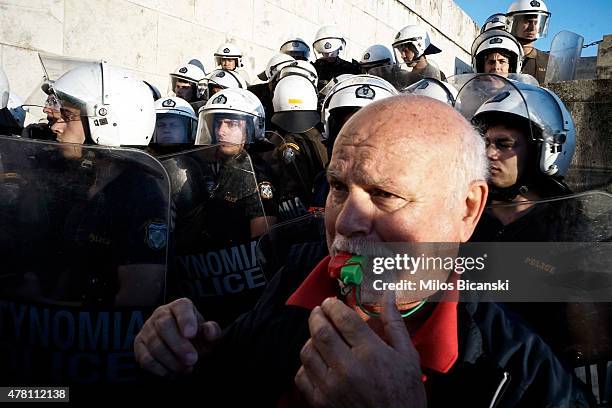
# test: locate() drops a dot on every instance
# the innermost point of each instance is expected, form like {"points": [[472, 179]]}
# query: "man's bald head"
{"points": [[421, 128]]}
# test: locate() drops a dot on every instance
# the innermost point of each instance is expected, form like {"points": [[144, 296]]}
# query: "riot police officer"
{"points": [[375, 56], [328, 43], [299, 154], [412, 45], [184, 82], [229, 57], [296, 48], [497, 52], [528, 21]]}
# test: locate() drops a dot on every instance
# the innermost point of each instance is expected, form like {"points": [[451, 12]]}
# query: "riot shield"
{"points": [[565, 51], [557, 259], [218, 217], [295, 163], [286, 239], [83, 238], [399, 75]]}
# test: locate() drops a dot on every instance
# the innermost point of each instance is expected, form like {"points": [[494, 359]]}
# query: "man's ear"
{"points": [[475, 201]]}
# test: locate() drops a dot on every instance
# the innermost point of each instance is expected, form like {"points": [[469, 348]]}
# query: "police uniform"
{"points": [[535, 64], [124, 223], [215, 263], [327, 70], [296, 162]]}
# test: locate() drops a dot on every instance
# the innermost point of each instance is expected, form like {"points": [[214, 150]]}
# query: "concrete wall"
{"points": [[152, 37]]}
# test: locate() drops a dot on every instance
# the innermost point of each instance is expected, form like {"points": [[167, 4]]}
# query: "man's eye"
{"points": [[382, 193], [336, 185]]}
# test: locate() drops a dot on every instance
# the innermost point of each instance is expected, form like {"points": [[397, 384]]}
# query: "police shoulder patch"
{"points": [[156, 235], [183, 70], [265, 190]]}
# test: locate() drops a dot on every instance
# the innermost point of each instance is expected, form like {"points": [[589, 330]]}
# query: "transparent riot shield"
{"points": [[565, 51], [219, 215], [557, 260], [399, 75], [286, 240], [84, 246], [295, 163]]}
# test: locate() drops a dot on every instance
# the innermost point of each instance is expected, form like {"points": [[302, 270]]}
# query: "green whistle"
{"points": [[352, 271]]}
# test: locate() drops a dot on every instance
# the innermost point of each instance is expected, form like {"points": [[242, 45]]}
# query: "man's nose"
{"points": [[58, 126], [492, 152], [355, 217]]}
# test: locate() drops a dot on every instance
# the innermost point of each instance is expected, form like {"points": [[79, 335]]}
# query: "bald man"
{"points": [[304, 343]]}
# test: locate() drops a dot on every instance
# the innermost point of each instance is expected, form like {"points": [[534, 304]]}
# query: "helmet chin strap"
{"points": [[507, 193]]}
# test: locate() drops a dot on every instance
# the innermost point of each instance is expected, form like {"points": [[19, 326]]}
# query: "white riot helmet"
{"points": [[552, 127], [4, 89], [499, 41], [222, 79], [296, 48], [328, 42], [352, 93], [228, 51], [231, 116], [415, 37], [528, 13], [301, 68], [497, 21], [434, 88], [375, 56], [276, 63], [176, 121], [190, 75], [118, 108], [295, 104]]}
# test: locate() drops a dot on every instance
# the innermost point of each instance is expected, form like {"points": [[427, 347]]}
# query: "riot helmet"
{"points": [[184, 82], [115, 108], [528, 19], [220, 79], [225, 54], [500, 42], [496, 21], [176, 122], [301, 68], [296, 48], [295, 104], [434, 88], [411, 43], [328, 42], [375, 56], [233, 117]]}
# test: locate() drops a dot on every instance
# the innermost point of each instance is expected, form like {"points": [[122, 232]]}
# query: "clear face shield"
{"points": [[229, 130], [407, 53], [173, 128], [184, 88], [227, 63], [530, 26], [296, 50], [328, 48]]}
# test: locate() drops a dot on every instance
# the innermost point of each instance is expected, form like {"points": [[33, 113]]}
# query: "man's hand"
{"points": [[346, 364], [172, 339]]}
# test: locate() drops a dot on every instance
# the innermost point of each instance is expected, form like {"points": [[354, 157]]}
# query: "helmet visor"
{"points": [[225, 128], [529, 26], [328, 47], [171, 128]]}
